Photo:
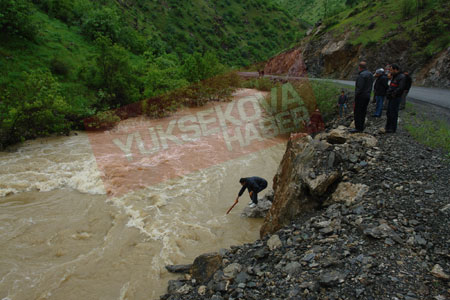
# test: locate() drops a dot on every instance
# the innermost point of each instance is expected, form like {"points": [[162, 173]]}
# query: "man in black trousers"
{"points": [[363, 90], [254, 185], [394, 94], [406, 91]]}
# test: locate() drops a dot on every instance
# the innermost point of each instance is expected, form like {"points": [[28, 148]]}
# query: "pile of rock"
{"points": [[352, 218]]}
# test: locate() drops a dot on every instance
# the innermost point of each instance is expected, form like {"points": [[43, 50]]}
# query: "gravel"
{"points": [[393, 243]]}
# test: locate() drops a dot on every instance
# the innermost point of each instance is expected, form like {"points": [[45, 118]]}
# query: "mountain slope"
{"points": [[98, 55], [379, 32], [312, 11]]}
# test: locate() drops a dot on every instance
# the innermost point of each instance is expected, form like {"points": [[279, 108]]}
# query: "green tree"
{"points": [[33, 107], [62, 9], [163, 74], [113, 76], [199, 67], [102, 22], [16, 18]]}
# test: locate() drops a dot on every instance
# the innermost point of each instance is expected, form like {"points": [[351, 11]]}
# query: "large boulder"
{"points": [[337, 136], [205, 266], [300, 181], [310, 172], [348, 193]]}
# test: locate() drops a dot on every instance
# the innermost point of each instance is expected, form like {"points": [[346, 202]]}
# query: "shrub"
{"points": [[163, 74], [61, 9], [199, 67], [113, 76], [102, 22], [59, 67], [262, 84], [103, 120], [407, 8], [218, 88], [326, 94]]}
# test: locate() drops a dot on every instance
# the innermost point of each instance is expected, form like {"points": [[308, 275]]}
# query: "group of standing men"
{"points": [[395, 92]]}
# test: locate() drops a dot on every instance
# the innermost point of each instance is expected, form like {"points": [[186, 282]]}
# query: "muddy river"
{"points": [[65, 236]]}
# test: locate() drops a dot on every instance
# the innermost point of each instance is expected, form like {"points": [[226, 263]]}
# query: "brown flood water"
{"points": [[63, 238]]}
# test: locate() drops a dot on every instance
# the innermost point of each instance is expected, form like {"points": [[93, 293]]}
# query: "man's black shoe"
{"points": [[390, 131], [354, 131]]}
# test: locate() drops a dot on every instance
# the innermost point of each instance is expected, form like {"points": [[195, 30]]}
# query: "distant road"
{"points": [[436, 96]]}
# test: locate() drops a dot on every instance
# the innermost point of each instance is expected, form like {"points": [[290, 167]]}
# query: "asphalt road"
{"points": [[436, 96]]}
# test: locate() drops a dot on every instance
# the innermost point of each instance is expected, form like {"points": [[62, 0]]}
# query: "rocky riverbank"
{"points": [[362, 216]]}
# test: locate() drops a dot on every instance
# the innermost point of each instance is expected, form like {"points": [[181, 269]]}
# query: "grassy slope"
{"points": [[239, 32], [390, 23], [311, 10], [428, 33], [433, 133]]}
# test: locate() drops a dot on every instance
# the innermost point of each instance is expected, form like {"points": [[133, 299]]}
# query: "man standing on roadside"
{"points": [[363, 90], [394, 94], [406, 91], [380, 88], [342, 104]]}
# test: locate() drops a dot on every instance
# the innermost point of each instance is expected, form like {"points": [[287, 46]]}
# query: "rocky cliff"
{"points": [[333, 51]]}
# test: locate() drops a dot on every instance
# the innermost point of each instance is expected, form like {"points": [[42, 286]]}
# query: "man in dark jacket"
{"points": [[342, 103], [394, 94], [363, 89], [380, 88], [254, 185], [406, 91]]}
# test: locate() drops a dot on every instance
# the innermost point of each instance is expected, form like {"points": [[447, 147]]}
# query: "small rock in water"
{"points": [[179, 268]]}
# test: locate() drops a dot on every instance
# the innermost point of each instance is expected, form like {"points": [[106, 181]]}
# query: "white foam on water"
{"points": [[49, 164], [174, 214], [124, 291]]}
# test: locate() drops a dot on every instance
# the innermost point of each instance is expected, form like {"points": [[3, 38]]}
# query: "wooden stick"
{"points": [[234, 204]]}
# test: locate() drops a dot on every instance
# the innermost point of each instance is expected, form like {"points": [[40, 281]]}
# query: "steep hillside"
{"points": [[72, 59], [379, 32], [312, 11]]}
